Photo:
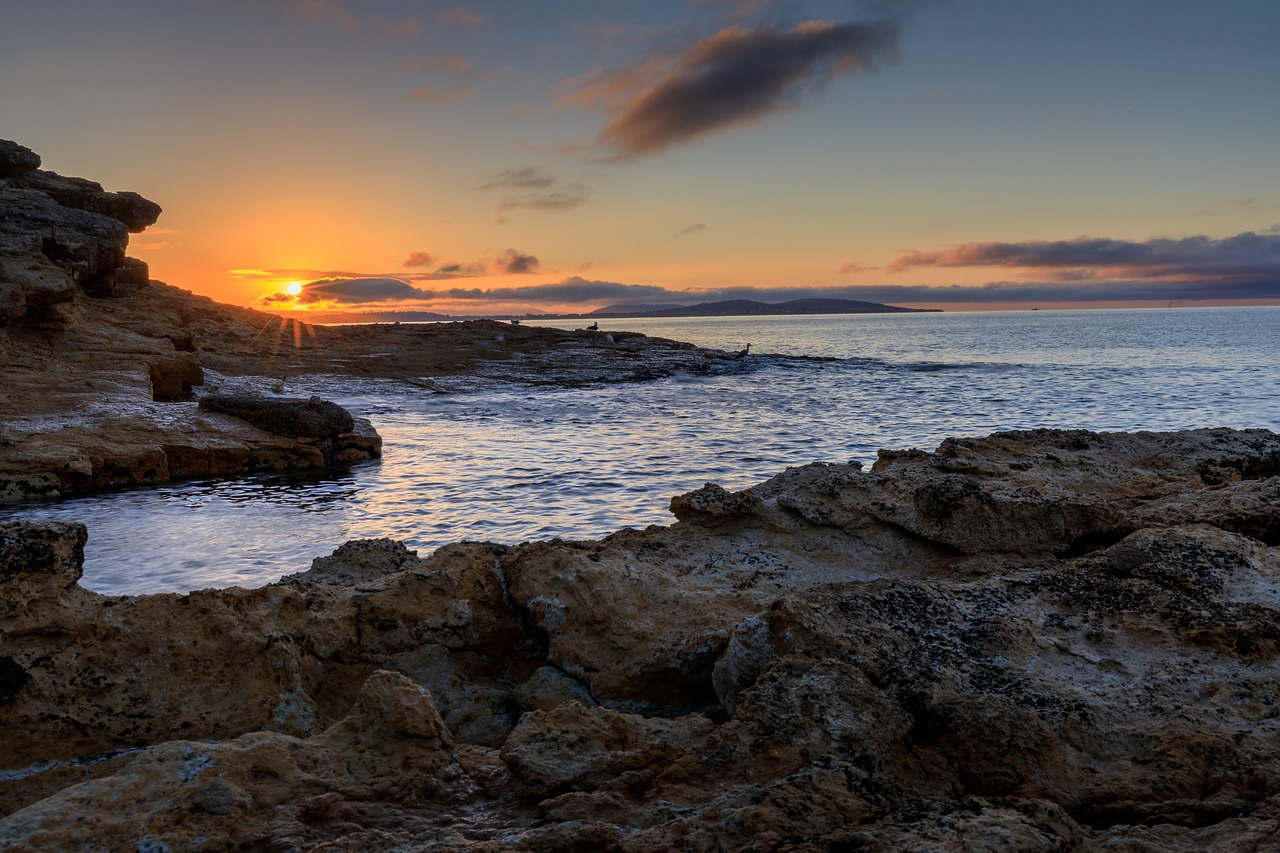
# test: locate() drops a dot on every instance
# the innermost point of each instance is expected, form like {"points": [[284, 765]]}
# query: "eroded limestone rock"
{"points": [[833, 659]]}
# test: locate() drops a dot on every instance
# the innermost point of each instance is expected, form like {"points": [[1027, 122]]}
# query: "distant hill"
{"points": [[751, 307], [635, 309]]}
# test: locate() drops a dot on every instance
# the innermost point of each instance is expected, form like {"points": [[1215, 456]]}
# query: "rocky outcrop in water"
{"points": [[1042, 640], [101, 367]]}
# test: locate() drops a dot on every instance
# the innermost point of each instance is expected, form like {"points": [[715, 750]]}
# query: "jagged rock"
{"points": [[1040, 640], [713, 503], [16, 159], [132, 210], [391, 748], [313, 418], [826, 676], [357, 563], [39, 562]]}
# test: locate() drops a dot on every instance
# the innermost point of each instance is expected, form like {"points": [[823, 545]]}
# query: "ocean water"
{"points": [[511, 463]]}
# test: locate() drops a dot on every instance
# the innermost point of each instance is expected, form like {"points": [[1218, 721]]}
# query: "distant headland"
{"points": [[722, 308], [755, 308]]}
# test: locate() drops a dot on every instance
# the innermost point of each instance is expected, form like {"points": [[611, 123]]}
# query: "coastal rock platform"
{"points": [[101, 367], [1035, 641]]}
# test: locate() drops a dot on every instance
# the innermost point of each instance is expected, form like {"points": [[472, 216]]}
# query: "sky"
{"points": [[488, 158]]}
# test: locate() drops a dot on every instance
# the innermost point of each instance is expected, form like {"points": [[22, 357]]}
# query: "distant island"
{"points": [[723, 308], [754, 308]]}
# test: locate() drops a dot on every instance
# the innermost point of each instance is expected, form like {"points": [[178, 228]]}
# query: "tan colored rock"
{"points": [[391, 748], [833, 659]]}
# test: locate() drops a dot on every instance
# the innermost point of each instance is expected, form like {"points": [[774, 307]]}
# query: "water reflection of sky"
{"points": [[511, 464]]}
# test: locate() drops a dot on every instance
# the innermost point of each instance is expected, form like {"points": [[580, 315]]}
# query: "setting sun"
{"points": [[293, 288]]}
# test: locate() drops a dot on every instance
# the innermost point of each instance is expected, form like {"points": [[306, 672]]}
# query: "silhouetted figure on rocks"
{"points": [[742, 353]]}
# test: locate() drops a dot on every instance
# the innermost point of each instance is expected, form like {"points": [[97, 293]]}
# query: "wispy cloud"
{"points": [[461, 16], [854, 266], [736, 77], [692, 229], [524, 177], [535, 188], [1244, 257]]}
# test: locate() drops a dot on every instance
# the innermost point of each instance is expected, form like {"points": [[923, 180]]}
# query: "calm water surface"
{"points": [[508, 463]]}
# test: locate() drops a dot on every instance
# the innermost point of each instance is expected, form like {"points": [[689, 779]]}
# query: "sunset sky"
{"points": [[561, 156]]}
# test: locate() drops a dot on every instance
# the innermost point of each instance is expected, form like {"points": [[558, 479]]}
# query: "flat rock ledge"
{"points": [[1036, 641]]}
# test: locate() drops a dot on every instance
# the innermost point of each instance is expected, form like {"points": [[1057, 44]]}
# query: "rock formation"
{"points": [[101, 368], [1041, 640], [98, 367]]}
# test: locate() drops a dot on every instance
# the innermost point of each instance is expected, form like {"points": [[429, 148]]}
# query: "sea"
{"points": [[508, 463]]}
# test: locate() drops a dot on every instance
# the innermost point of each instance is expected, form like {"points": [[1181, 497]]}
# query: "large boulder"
{"points": [[296, 418]]}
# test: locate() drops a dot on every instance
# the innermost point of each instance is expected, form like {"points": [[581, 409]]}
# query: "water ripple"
{"points": [[481, 459]]}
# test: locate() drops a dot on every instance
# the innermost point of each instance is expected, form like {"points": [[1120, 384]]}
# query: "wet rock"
{"points": [[39, 560], [296, 418]]}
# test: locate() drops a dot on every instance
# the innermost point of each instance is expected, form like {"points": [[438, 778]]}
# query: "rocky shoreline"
{"points": [[1035, 641], [101, 368], [1043, 640]]}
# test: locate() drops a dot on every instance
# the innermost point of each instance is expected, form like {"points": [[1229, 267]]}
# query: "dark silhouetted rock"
{"points": [[129, 208], [297, 418], [16, 159]]}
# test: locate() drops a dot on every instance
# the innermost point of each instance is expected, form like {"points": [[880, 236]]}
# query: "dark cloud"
{"points": [[691, 229], [1048, 292], [354, 291], [1244, 257], [535, 188], [419, 259], [734, 77], [574, 290], [512, 262], [586, 294], [454, 269]]}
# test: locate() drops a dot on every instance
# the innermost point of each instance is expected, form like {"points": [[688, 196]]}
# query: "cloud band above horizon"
{"points": [[1245, 266]]}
